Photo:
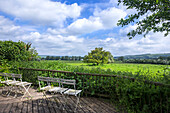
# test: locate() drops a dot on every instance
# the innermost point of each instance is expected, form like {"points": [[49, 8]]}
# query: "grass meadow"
{"points": [[128, 67]]}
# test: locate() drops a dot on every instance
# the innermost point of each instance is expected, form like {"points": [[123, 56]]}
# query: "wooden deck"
{"points": [[39, 105]]}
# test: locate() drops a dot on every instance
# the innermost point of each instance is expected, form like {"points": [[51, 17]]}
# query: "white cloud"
{"points": [[85, 26], [32, 37], [53, 44], [7, 26], [153, 43], [101, 19], [43, 12], [129, 28], [9, 31]]}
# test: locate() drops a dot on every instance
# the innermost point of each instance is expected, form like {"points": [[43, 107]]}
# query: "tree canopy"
{"points": [[16, 51], [98, 56], [157, 20]]}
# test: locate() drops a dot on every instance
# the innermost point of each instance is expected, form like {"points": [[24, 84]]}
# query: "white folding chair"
{"points": [[48, 87], [21, 86], [16, 78], [8, 80], [54, 88], [73, 91], [6, 77], [45, 88], [57, 89]]}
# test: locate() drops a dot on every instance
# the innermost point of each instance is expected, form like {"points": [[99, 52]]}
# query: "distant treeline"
{"points": [[69, 58], [159, 60], [146, 56]]}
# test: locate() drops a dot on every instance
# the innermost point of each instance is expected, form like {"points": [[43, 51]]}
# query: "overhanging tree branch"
{"points": [[158, 20]]}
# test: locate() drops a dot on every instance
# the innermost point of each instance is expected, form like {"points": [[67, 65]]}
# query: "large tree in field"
{"points": [[157, 16], [98, 56]]}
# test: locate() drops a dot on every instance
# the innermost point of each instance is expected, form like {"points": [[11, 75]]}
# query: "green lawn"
{"points": [[128, 67]]}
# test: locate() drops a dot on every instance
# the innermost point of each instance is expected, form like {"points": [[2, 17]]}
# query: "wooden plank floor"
{"points": [[39, 105]]}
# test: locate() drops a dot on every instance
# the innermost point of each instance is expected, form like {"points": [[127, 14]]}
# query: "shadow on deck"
{"points": [[39, 105]]}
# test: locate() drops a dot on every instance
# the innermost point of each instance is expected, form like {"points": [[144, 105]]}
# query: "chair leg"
{"points": [[57, 101], [16, 92], [53, 97], [43, 97], [26, 91], [3, 89], [78, 101], [65, 101], [1, 92], [9, 91]]}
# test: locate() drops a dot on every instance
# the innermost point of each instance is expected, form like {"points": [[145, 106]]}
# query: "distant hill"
{"points": [[145, 56]]}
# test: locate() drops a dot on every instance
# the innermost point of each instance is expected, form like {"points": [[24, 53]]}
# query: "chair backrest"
{"points": [[44, 79], [56, 80], [9, 75], [3, 75], [17, 76], [68, 82]]}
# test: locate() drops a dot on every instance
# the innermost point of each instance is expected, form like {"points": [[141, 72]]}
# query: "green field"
{"points": [[124, 67], [157, 73]]}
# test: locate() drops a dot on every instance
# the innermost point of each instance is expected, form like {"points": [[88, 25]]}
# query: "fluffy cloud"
{"points": [[43, 12], [85, 26], [53, 44], [153, 43], [124, 31], [101, 19], [7, 28]]}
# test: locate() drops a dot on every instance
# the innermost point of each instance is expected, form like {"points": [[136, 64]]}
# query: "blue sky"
{"points": [[75, 27]]}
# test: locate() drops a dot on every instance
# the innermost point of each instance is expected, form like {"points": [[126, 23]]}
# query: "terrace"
{"points": [[39, 105], [137, 94]]}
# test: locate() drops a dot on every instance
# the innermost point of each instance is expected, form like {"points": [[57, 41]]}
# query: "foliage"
{"points": [[148, 61], [68, 58], [156, 19], [16, 51], [98, 56], [121, 58]]}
